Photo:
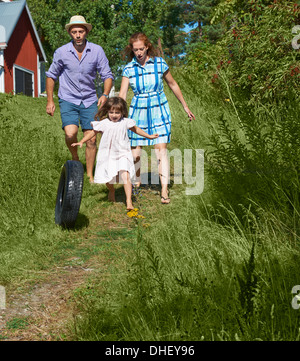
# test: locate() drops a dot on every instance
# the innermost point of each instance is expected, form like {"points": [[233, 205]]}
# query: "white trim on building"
{"points": [[2, 83]]}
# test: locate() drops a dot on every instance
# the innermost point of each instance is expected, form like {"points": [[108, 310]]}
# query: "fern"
{"points": [[248, 283]]}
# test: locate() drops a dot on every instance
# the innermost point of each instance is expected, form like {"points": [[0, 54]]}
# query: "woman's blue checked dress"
{"points": [[149, 106]]}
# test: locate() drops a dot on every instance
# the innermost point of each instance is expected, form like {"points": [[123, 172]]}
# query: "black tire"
{"points": [[69, 194]]}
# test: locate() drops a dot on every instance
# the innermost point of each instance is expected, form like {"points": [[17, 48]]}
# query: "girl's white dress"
{"points": [[114, 153]]}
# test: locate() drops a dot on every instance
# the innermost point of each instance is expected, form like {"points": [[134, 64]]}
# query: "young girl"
{"points": [[114, 158]]}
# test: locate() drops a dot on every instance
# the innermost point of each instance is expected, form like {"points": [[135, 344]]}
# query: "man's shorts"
{"points": [[71, 114]]}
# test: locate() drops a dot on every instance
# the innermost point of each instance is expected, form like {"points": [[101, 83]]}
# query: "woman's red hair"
{"points": [[128, 52]]}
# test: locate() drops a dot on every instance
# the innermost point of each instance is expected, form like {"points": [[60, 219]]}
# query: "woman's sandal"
{"points": [[165, 200]]}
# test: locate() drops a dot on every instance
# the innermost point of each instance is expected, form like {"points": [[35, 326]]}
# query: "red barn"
{"points": [[21, 53]]}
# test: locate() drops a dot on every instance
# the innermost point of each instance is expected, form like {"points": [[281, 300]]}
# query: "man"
{"points": [[76, 65]]}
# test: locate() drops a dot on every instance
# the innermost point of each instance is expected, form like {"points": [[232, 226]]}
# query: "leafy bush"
{"points": [[253, 153], [256, 51]]}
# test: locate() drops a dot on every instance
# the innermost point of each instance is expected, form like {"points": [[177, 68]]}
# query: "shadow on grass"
{"points": [[82, 221], [147, 186]]}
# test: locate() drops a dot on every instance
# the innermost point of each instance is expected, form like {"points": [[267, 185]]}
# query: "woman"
{"points": [[149, 106]]}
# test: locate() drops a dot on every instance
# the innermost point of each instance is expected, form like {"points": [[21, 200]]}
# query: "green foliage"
{"points": [[111, 26], [202, 59], [227, 11], [32, 154], [199, 13], [196, 274], [248, 287], [113, 23], [17, 323], [173, 40], [189, 281], [256, 53], [253, 153]]}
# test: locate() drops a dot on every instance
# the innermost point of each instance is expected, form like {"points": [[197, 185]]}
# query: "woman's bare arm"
{"points": [[124, 88], [177, 92]]}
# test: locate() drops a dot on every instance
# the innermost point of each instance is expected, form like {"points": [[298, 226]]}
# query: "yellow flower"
{"points": [[132, 213], [227, 99]]}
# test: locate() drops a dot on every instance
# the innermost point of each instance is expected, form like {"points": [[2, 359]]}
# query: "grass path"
{"points": [[43, 308]]}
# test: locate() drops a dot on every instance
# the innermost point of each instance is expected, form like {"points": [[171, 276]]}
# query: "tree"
{"points": [[110, 25], [114, 21], [199, 13], [171, 22]]}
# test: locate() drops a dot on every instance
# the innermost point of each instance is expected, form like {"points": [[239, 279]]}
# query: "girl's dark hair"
{"points": [[128, 52], [114, 102]]}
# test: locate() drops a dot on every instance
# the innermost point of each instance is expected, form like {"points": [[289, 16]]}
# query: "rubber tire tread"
{"points": [[69, 194]]}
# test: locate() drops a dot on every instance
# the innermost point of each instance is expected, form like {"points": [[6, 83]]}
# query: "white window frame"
{"points": [[38, 74], [2, 82], [25, 70]]}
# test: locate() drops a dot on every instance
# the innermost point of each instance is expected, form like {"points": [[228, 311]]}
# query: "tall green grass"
{"points": [[31, 158], [218, 266], [193, 279], [32, 155]]}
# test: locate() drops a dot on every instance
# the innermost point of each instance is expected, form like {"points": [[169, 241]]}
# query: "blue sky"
{"points": [[188, 28]]}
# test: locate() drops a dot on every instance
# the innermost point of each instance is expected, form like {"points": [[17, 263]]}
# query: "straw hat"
{"points": [[78, 20]]}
